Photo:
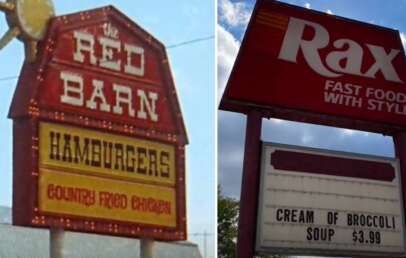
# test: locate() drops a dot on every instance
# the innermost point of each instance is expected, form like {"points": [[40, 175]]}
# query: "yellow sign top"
{"points": [[102, 175], [90, 152]]}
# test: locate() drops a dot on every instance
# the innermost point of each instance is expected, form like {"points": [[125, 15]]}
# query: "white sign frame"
{"points": [[310, 249]]}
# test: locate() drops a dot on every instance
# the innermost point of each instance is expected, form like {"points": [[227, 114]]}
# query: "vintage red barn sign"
{"points": [[99, 140], [303, 65]]}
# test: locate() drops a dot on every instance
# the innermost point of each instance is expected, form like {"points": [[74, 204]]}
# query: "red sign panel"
{"points": [[99, 139], [297, 59]]}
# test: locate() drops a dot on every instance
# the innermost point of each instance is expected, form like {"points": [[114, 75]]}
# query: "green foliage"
{"points": [[227, 227], [227, 220]]}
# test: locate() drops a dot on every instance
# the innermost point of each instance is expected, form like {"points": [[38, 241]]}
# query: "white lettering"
{"points": [[293, 40], [98, 93], [347, 61], [72, 89], [84, 42], [150, 105], [352, 56], [129, 67], [123, 96], [110, 31], [108, 45], [383, 63]]}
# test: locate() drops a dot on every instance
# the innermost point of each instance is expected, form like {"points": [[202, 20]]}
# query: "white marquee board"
{"points": [[303, 212]]}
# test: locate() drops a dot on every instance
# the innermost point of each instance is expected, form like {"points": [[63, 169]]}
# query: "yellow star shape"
{"points": [[28, 20]]}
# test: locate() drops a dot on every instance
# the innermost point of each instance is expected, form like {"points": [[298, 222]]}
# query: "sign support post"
{"points": [[56, 243], [147, 247], [399, 140], [249, 187]]}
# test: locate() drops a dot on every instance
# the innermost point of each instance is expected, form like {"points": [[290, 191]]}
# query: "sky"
{"points": [[233, 16], [193, 70]]}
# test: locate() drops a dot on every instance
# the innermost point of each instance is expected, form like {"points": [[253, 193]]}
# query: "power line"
{"points": [[188, 42], [8, 78], [200, 234]]}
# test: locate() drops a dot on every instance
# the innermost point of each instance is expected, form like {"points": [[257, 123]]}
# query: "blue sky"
{"points": [[193, 68], [232, 20]]}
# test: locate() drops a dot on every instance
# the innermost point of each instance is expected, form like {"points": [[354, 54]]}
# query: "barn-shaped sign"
{"points": [[99, 140]]}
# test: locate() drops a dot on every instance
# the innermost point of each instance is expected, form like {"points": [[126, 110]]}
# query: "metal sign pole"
{"points": [[147, 248], [400, 152], [56, 243], [249, 188]]}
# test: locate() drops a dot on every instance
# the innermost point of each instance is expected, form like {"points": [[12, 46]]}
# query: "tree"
{"points": [[227, 226]]}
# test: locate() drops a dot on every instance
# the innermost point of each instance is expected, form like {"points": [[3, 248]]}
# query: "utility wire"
{"points": [[170, 46], [190, 42], [8, 78], [200, 234]]}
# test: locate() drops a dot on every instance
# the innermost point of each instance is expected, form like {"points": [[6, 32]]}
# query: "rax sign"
{"points": [[305, 65], [99, 140], [352, 57]]}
